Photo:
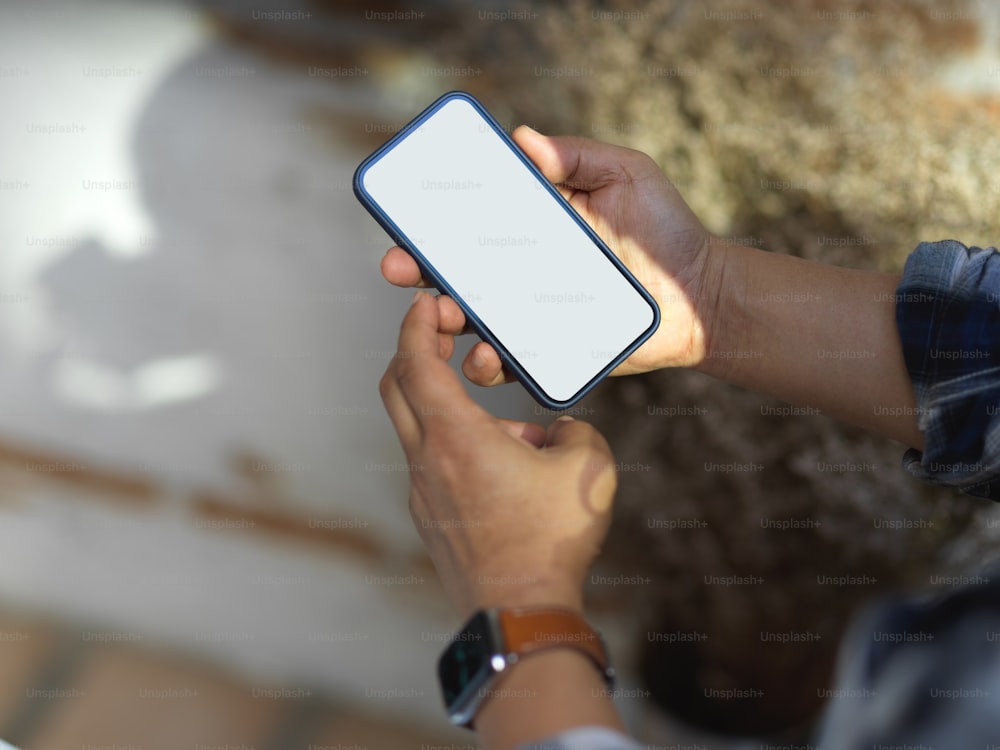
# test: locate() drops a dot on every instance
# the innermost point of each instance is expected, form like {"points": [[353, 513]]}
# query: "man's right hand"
{"points": [[642, 217]]}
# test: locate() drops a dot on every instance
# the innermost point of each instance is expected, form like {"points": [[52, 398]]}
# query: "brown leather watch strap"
{"points": [[530, 629]]}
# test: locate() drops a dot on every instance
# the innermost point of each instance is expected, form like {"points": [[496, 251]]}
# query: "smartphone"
{"points": [[486, 227]]}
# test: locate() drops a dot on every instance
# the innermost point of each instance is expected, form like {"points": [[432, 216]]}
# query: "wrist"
{"points": [[720, 308], [501, 657], [515, 590]]}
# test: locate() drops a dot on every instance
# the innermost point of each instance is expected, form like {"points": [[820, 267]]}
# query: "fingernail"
{"points": [[478, 359], [565, 418], [416, 296]]}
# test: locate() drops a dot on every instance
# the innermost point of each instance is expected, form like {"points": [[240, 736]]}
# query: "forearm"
{"points": [[812, 335], [544, 694]]}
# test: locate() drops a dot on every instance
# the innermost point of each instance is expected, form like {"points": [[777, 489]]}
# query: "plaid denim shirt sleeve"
{"points": [[948, 317]]}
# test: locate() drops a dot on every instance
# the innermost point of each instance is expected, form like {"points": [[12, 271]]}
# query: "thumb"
{"points": [[598, 473], [581, 163], [531, 433], [567, 434]]}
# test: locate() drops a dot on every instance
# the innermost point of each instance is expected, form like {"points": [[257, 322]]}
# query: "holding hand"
{"points": [[511, 513], [642, 217]]}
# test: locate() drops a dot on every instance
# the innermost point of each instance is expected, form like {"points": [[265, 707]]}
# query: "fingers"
{"points": [[483, 367], [400, 269], [567, 434], [452, 319], [598, 476], [400, 410], [582, 163], [430, 389], [531, 433], [403, 418]]}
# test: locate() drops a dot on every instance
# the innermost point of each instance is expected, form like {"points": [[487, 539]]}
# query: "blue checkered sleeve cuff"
{"points": [[948, 317]]}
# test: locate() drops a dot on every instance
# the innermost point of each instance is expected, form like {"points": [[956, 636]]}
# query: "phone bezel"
{"points": [[442, 285]]}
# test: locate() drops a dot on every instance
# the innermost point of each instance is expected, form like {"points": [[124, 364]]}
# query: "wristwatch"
{"points": [[493, 639]]}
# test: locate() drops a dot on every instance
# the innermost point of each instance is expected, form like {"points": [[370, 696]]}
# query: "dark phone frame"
{"points": [[442, 285]]}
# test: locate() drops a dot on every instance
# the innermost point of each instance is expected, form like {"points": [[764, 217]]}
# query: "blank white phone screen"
{"points": [[520, 262]]}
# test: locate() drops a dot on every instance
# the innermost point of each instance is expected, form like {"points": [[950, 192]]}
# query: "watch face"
{"points": [[465, 664]]}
